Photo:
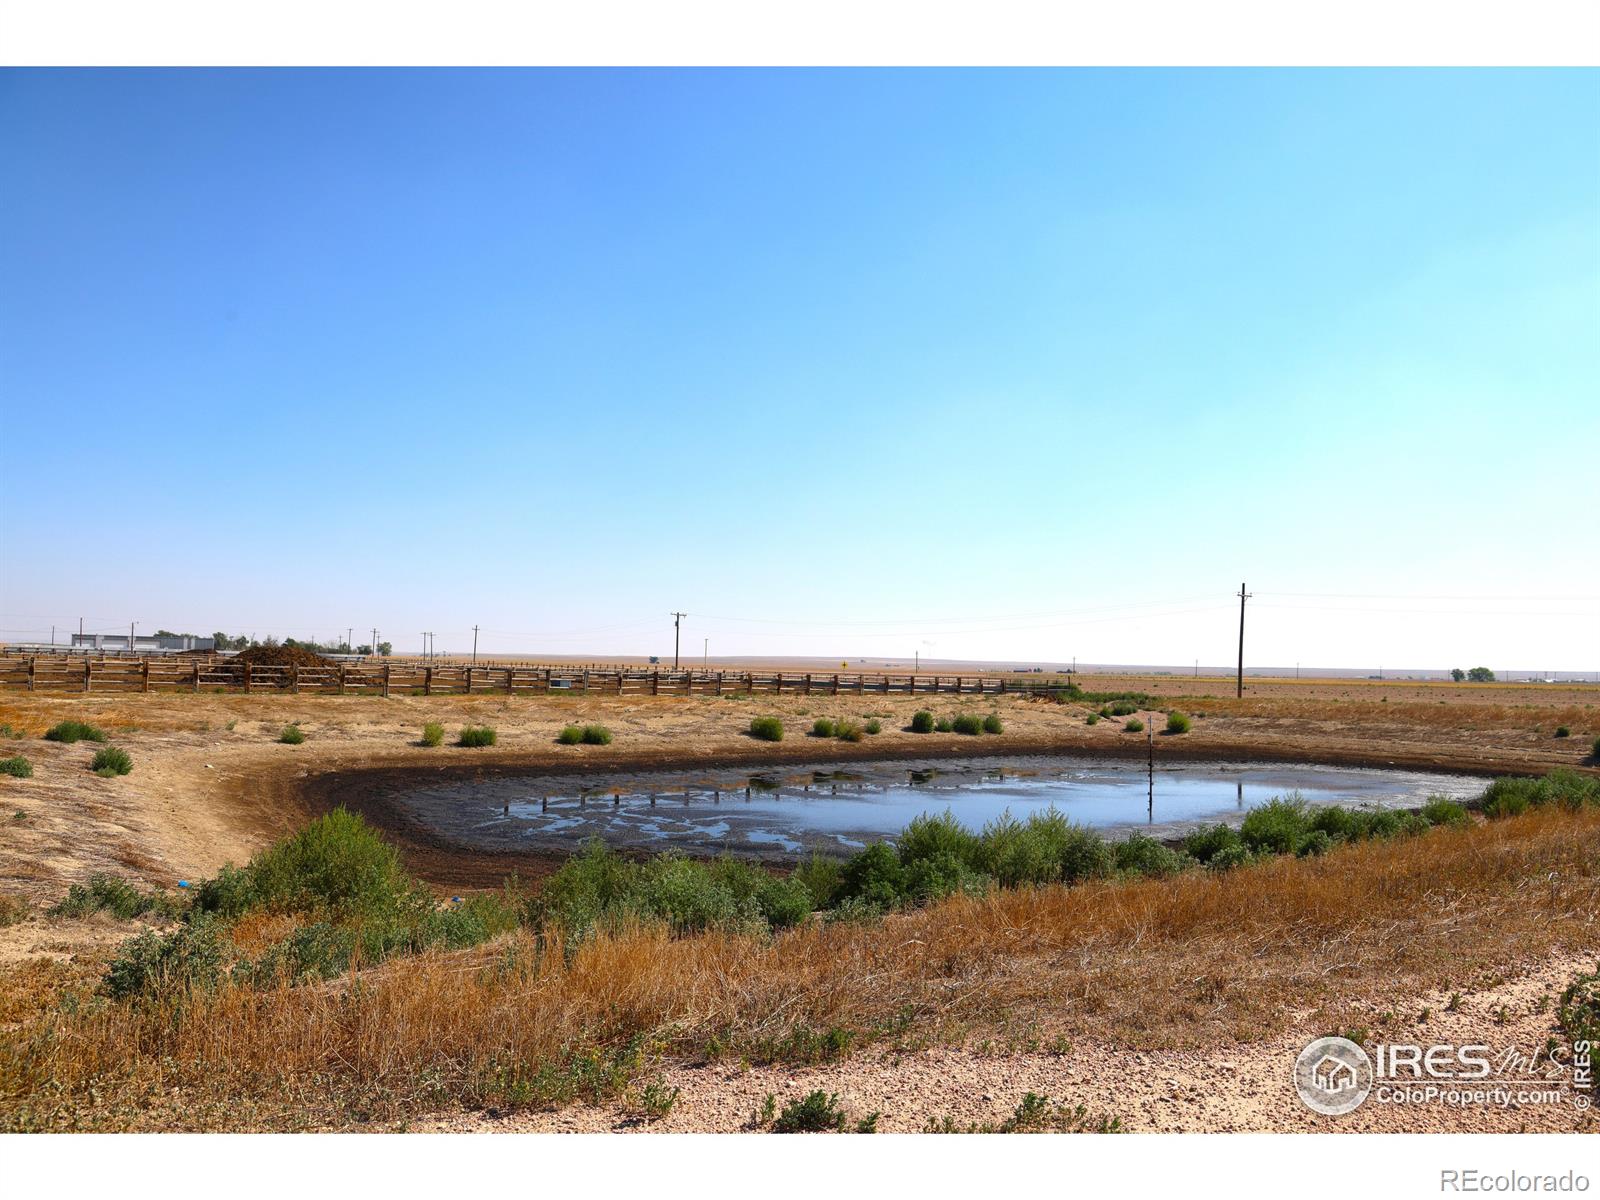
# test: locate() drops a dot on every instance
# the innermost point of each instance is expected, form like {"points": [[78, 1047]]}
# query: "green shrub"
{"points": [[13, 910], [111, 761], [875, 876], [1340, 824], [943, 874], [1314, 843], [943, 725], [1177, 723], [767, 729], [16, 766], [596, 735], [1595, 749], [968, 723], [1509, 796], [686, 896], [847, 731], [1206, 844], [1017, 852], [433, 734], [818, 1112], [74, 731], [292, 734], [108, 893], [1441, 810], [820, 877], [1411, 824], [1277, 826], [922, 721], [1230, 857], [992, 724], [1578, 1011], [1121, 708], [591, 889], [1083, 854], [337, 865], [475, 736], [1563, 731], [822, 727], [227, 894], [1379, 824], [874, 726], [170, 966], [571, 735], [1143, 855], [1134, 725], [1092, 719], [928, 836]]}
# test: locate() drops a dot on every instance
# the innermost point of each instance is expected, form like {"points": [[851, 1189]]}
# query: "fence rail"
{"points": [[47, 673]]}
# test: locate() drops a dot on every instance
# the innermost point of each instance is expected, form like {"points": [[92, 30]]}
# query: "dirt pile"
{"points": [[281, 656]]}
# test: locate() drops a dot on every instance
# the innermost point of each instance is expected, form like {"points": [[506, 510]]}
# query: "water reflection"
{"points": [[822, 808]]}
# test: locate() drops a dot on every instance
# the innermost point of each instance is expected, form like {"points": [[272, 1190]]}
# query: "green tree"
{"points": [[1457, 674], [384, 648], [1480, 675]]}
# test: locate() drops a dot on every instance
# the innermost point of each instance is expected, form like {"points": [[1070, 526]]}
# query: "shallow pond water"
{"points": [[790, 811]]}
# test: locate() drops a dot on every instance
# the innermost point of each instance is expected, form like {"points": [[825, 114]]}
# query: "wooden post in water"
{"points": [[1150, 768]]}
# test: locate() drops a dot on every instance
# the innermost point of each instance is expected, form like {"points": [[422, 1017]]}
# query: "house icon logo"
{"points": [[1333, 1076]]}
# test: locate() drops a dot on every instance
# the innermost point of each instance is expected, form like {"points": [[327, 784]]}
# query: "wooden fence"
{"points": [[60, 673]]}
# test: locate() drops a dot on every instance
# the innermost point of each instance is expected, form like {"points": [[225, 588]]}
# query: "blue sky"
{"points": [[995, 364]]}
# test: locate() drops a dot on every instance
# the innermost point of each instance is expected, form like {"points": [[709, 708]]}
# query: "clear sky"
{"points": [[990, 364]]}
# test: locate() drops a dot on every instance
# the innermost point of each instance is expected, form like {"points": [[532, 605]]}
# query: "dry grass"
{"points": [[1169, 962]]}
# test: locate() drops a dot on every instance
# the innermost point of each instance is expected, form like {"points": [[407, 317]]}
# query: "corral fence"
{"points": [[48, 673]]}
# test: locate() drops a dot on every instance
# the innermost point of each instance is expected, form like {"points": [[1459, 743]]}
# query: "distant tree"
{"points": [[363, 650], [270, 640], [1457, 674], [221, 641], [384, 648], [1480, 675]]}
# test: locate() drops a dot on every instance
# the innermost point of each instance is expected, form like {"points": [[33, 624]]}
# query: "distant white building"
{"points": [[142, 643]]}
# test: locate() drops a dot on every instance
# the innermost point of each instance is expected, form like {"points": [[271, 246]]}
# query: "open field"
{"points": [[1124, 997]]}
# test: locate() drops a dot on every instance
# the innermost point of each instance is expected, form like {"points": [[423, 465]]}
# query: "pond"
{"points": [[790, 811]]}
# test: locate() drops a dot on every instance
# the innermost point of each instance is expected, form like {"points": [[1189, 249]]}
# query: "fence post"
{"points": [[621, 679], [87, 661], [836, 684], [586, 681], [247, 679], [806, 688], [385, 681], [511, 681], [294, 679], [33, 667], [197, 675], [427, 681], [780, 683], [469, 681], [341, 678], [655, 682], [144, 680]]}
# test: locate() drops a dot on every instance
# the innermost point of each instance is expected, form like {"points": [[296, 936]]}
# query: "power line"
{"points": [[1243, 596]]}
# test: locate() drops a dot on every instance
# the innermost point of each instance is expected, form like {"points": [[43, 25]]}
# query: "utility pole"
{"points": [[131, 624], [1243, 596], [350, 640], [917, 660], [677, 619], [374, 646], [424, 637], [474, 643]]}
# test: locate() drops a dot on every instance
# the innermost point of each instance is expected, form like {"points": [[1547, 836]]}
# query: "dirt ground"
{"points": [[212, 784], [1234, 1088]]}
